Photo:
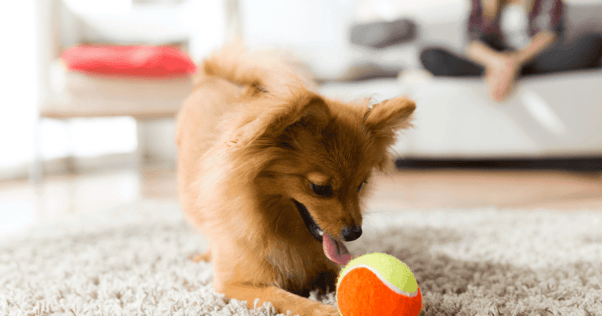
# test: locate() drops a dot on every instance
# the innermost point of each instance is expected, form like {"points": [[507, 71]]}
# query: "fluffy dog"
{"points": [[273, 174]]}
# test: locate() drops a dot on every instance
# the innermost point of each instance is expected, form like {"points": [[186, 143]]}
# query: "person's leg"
{"points": [[440, 62], [584, 52]]}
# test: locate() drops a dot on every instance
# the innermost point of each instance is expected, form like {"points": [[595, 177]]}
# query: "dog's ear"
{"points": [[307, 109], [385, 119]]}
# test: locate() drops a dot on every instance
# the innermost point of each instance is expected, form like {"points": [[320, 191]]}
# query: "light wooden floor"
{"points": [[23, 205]]}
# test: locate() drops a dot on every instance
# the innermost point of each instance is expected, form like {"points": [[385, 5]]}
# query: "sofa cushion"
{"points": [[581, 18]]}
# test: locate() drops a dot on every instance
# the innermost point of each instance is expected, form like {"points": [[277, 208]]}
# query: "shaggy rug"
{"points": [[135, 260]]}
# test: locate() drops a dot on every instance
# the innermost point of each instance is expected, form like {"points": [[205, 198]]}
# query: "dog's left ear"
{"points": [[385, 119], [308, 109]]}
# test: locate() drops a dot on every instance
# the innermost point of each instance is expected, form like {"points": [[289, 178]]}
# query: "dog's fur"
{"points": [[252, 138]]}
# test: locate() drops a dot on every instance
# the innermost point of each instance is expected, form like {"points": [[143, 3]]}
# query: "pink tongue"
{"points": [[335, 250]]}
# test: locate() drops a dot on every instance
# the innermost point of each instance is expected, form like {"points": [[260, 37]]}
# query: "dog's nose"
{"points": [[350, 234]]}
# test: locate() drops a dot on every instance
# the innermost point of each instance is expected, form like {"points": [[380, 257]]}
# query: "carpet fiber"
{"points": [[135, 260]]}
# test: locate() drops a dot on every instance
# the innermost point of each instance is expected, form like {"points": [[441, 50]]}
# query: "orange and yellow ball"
{"points": [[378, 284]]}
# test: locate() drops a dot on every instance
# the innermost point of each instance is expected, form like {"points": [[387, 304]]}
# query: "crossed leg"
{"points": [[282, 300]]}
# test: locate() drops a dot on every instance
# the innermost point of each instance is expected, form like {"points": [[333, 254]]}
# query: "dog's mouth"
{"points": [[310, 223], [334, 249]]}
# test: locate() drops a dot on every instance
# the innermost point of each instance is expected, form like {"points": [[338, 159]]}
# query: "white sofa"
{"points": [[558, 115]]}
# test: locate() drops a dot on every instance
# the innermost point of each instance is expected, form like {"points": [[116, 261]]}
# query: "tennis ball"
{"points": [[378, 284]]}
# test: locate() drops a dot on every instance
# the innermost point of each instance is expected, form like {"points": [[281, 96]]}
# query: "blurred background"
{"points": [[77, 142]]}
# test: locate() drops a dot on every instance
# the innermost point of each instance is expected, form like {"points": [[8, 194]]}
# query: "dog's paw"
{"points": [[326, 310]]}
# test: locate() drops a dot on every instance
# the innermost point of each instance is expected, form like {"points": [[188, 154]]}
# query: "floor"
{"points": [[23, 205]]}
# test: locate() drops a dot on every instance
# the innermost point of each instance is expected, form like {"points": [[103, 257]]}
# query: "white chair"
{"points": [[66, 94]]}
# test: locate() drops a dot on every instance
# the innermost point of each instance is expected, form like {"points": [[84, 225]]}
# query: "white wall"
{"points": [[18, 81]]}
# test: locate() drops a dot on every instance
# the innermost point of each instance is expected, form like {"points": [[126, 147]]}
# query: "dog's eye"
{"points": [[286, 145], [360, 187], [321, 190]]}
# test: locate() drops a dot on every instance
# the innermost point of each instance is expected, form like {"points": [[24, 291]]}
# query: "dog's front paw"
{"points": [[326, 310]]}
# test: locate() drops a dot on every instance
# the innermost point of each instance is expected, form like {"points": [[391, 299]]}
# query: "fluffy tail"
{"points": [[267, 70]]}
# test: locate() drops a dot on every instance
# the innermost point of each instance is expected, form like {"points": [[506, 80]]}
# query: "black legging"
{"points": [[585, 52]]}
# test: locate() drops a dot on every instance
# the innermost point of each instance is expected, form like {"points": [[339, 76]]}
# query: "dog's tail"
{"points": [[266, 70]]}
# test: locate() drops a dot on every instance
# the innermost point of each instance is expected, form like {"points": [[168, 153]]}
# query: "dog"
{"points": [[274, 175]]}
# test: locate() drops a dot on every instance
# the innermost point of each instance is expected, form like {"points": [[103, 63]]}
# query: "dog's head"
{"points": [[318, 154]]}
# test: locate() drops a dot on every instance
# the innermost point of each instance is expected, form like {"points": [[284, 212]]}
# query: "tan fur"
{"points": [[251, 138]]}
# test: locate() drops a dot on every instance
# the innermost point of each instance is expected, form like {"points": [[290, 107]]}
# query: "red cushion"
{"points": [[137, 61]]}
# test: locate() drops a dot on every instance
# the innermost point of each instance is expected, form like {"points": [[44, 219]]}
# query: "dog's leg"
{"points": [[282, 300], [206, 256]]}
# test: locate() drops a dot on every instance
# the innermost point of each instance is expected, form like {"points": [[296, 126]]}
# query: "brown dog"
{"points": [[273, 174]]}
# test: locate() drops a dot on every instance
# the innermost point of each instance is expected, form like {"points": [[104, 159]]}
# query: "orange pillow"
{"points": [[134, 61]]}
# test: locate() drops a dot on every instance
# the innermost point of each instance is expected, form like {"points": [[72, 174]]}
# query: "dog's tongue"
{"points": [[335, 250]]}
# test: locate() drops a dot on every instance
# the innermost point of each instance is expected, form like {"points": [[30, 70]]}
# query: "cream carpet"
{"points": [[134, 260]]}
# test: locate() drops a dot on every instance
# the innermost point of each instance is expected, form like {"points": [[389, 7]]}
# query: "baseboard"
{"points": [[554, 163]]}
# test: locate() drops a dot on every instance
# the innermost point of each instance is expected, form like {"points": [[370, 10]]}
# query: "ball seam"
{"points": [[382, 278]]}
